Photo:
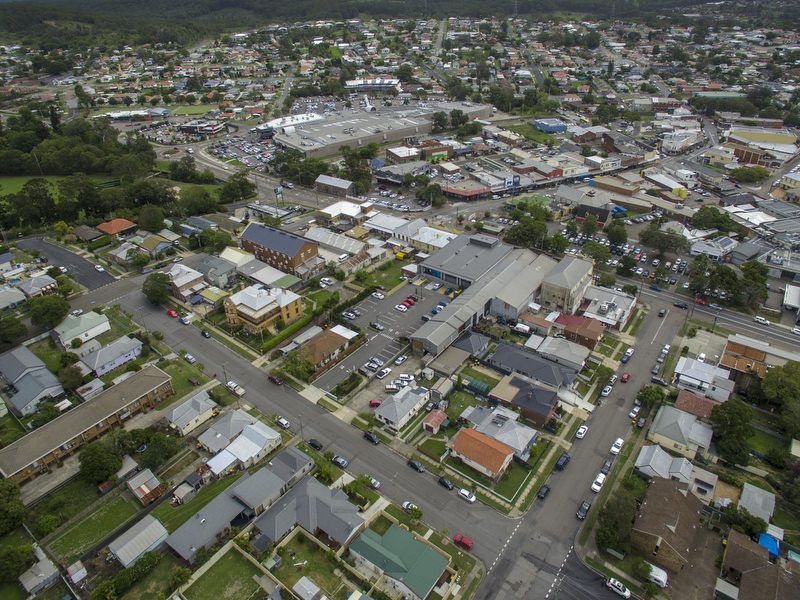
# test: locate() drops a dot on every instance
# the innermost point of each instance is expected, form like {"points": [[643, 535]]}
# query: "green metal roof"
{"points": [[400, 556]]}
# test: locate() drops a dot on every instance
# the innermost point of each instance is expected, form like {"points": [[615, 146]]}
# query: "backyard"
{"points": [[312, 561], [457, 402], [65, 502], [480, 376], [173, 517], [48, 352], [79, 537], [181, 372], [762, 442], [230, 578], [157, 583], [387, 275], [10, 429]]}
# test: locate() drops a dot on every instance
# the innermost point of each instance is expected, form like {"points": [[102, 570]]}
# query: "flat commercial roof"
{"points": [[468, 256], [48, 437]]}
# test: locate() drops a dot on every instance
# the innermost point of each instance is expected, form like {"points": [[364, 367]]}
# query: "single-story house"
{"points": [[749, 573], [680, 432], [400, 408], [117, 227], [695, 405], [703, 378], [10, 297], [38, 285], [84, 233], [81, 327], [224, 430], [146, 535], [479, 451], [217, 271], [115, 354], [509, 358], [191, 413], [255, 441], [39, 576], [324, 348], [759, 503], [501, 424], [536, 403], [31, 379]]}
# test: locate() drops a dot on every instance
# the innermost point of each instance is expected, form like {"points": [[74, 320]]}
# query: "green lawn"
{"points": [[317, 566], [10, 430], [65, 502], [83, 534], [230, 578], [462, 561], [457, 402], [212, 188], [120, 325], [786, 520], [173, 517], [181, 371], [12, 184], [511, 483], [480, 376], [14, 538], [48, 352], [436, 447], [762, 442], [157, 583], [387, 275], [192, 109], [529, 131], [12, 591]]}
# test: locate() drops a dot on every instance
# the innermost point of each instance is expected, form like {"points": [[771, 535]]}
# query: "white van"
{"points": [[391, 388], [657, 576], [343, 257]]}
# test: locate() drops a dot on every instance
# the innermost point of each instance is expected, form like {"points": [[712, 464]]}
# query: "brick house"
{"points": [[282, 250]]}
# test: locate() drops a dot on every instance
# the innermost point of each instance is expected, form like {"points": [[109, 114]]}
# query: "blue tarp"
{"points": [[770, 543]]}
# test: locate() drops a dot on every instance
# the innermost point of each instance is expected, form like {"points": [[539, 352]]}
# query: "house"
{"points": [[509, 358], [123, 253], [655, 462], [145, 487], [282, 250], [152, 244], [224, 430], [536, 403], [116, 354], [28, 375], [562, 352], [501, 425], [260, 491], [10, 297], [255, 441], [258, 308], [564, 286], [85, 234], [411, 568], [83, 328], [324, 348], [39, 576], [717, 249], [479, 451], [759, 503], [321, 511], [191, 413], [746, 568], [680, 432], [117, 227], [33, 454], [609, 307], [582, 330], [667, 524], [185, 281], [344, 214], [38, 285], [703, 378], [695, 405], [217, 271], [146, 535], [333, 185], [400, 408]]}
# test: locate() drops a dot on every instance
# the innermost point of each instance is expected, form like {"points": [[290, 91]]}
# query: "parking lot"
{"points": [[386, 344]]}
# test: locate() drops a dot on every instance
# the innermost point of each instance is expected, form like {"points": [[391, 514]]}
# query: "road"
{"points": [[79, 268]]}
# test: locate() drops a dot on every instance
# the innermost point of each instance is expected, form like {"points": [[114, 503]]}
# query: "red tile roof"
{"points": [[115, 226], [481, 449], [694, 404]]}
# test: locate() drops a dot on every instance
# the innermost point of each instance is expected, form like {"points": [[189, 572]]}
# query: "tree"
{"points": [[212, 240], [415, 513], [98, 463], [156, 287], [663, 241], [558, 244], [630, 289], [572, 227], [70, 377], [731, 422], [650, 396], [439, 122], [781, 387], [607, 280], [11, 508], [179, 576], [12, 330], [616, 233], [596, 251], [46, 413], [61, 229], [405, 72], [197, 201], [742, 521], [14, 559], [151, 218], [528, 233], [48, 311], [640, 569], [237, 188], [615, 522], [458, 118], [750, 174], [589, 225], [627, 266]]}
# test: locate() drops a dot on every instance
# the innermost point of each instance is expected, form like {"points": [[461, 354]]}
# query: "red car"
{"points": [[463, 541], [625, 377], [407, 303], [275, 379], [700, 301], [172, 313], [374, 403], [411, 300]]}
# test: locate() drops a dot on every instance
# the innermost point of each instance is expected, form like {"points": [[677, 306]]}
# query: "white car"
{"points": [[384, 372], [796, 330], [282, 423], [405, 377], [408, 506], [99, 269], [634, 412], [598, 482], [401, 307], [617, 587], [761, 320], [374, 483], [62, 269], [189, 358], [400, 359], [77, 312], [467, 495], [606, 391], [378, 295], [581, 433], [617, 446]]}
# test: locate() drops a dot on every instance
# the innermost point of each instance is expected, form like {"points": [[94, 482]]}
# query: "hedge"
{"points": [[103, 240]]}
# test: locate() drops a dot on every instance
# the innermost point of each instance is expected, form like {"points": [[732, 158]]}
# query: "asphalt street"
{"points": [[79, 268]]}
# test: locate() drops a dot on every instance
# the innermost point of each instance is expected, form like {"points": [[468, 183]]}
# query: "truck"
{"points": [[521, 328], [235, 388]]}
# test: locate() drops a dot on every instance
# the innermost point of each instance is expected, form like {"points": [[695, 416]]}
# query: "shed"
{"points": [[434, 420], [145, 486], [146, 535]]}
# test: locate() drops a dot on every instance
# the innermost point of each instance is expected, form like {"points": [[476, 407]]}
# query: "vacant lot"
{"points": [[230, 578], [319, 567]]}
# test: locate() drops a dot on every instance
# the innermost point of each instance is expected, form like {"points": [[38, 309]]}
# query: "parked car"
{"points": [[627, 356], [374, 403], [401, 307], [612, 380], [99, 269], [384, 372], [761, 320], [283, 423], [634, 412], [77, 312], [275, 379], [581, 433], [340, 461], [583, 510], [606, 391], [463, 541], [205, 333], [625, 377], [682, 305], [374, 483], [416, 465], [543, 491], [172, 313], [377, 326], [446, 483], [378, 296], [315, 444], [371, 438], [562, 461], [617, 446], [598, 482], [189, 358], [408, 506], [617, 587], [606, 468], [467, 495], [400, 359]]}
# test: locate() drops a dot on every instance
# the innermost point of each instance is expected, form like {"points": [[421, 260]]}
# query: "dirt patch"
{"points": [[726, 490]]}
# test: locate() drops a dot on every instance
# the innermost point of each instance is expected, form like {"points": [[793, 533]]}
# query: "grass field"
{"points": [[387, 275], [762, 442], [173, 517], [10, 430], [11, 184], [87, 532], [193, 109], [529, 131], [181, 371], [48, 352], [66, 502], [156, 584], [319, 567], [230, 578]]}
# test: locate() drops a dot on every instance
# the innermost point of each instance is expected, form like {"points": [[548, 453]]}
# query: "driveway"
{"points": [[79, 268]]}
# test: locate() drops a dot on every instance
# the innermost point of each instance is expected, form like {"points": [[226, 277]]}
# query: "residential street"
{"points": [[80, 269]]}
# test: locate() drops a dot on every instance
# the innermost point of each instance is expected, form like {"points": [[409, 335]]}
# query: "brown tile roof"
{"points": [[744, 359], [481, 449], [743, 554], [115, 226], [759, 577], [694, 404], [435, 418], [323, 345]]}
